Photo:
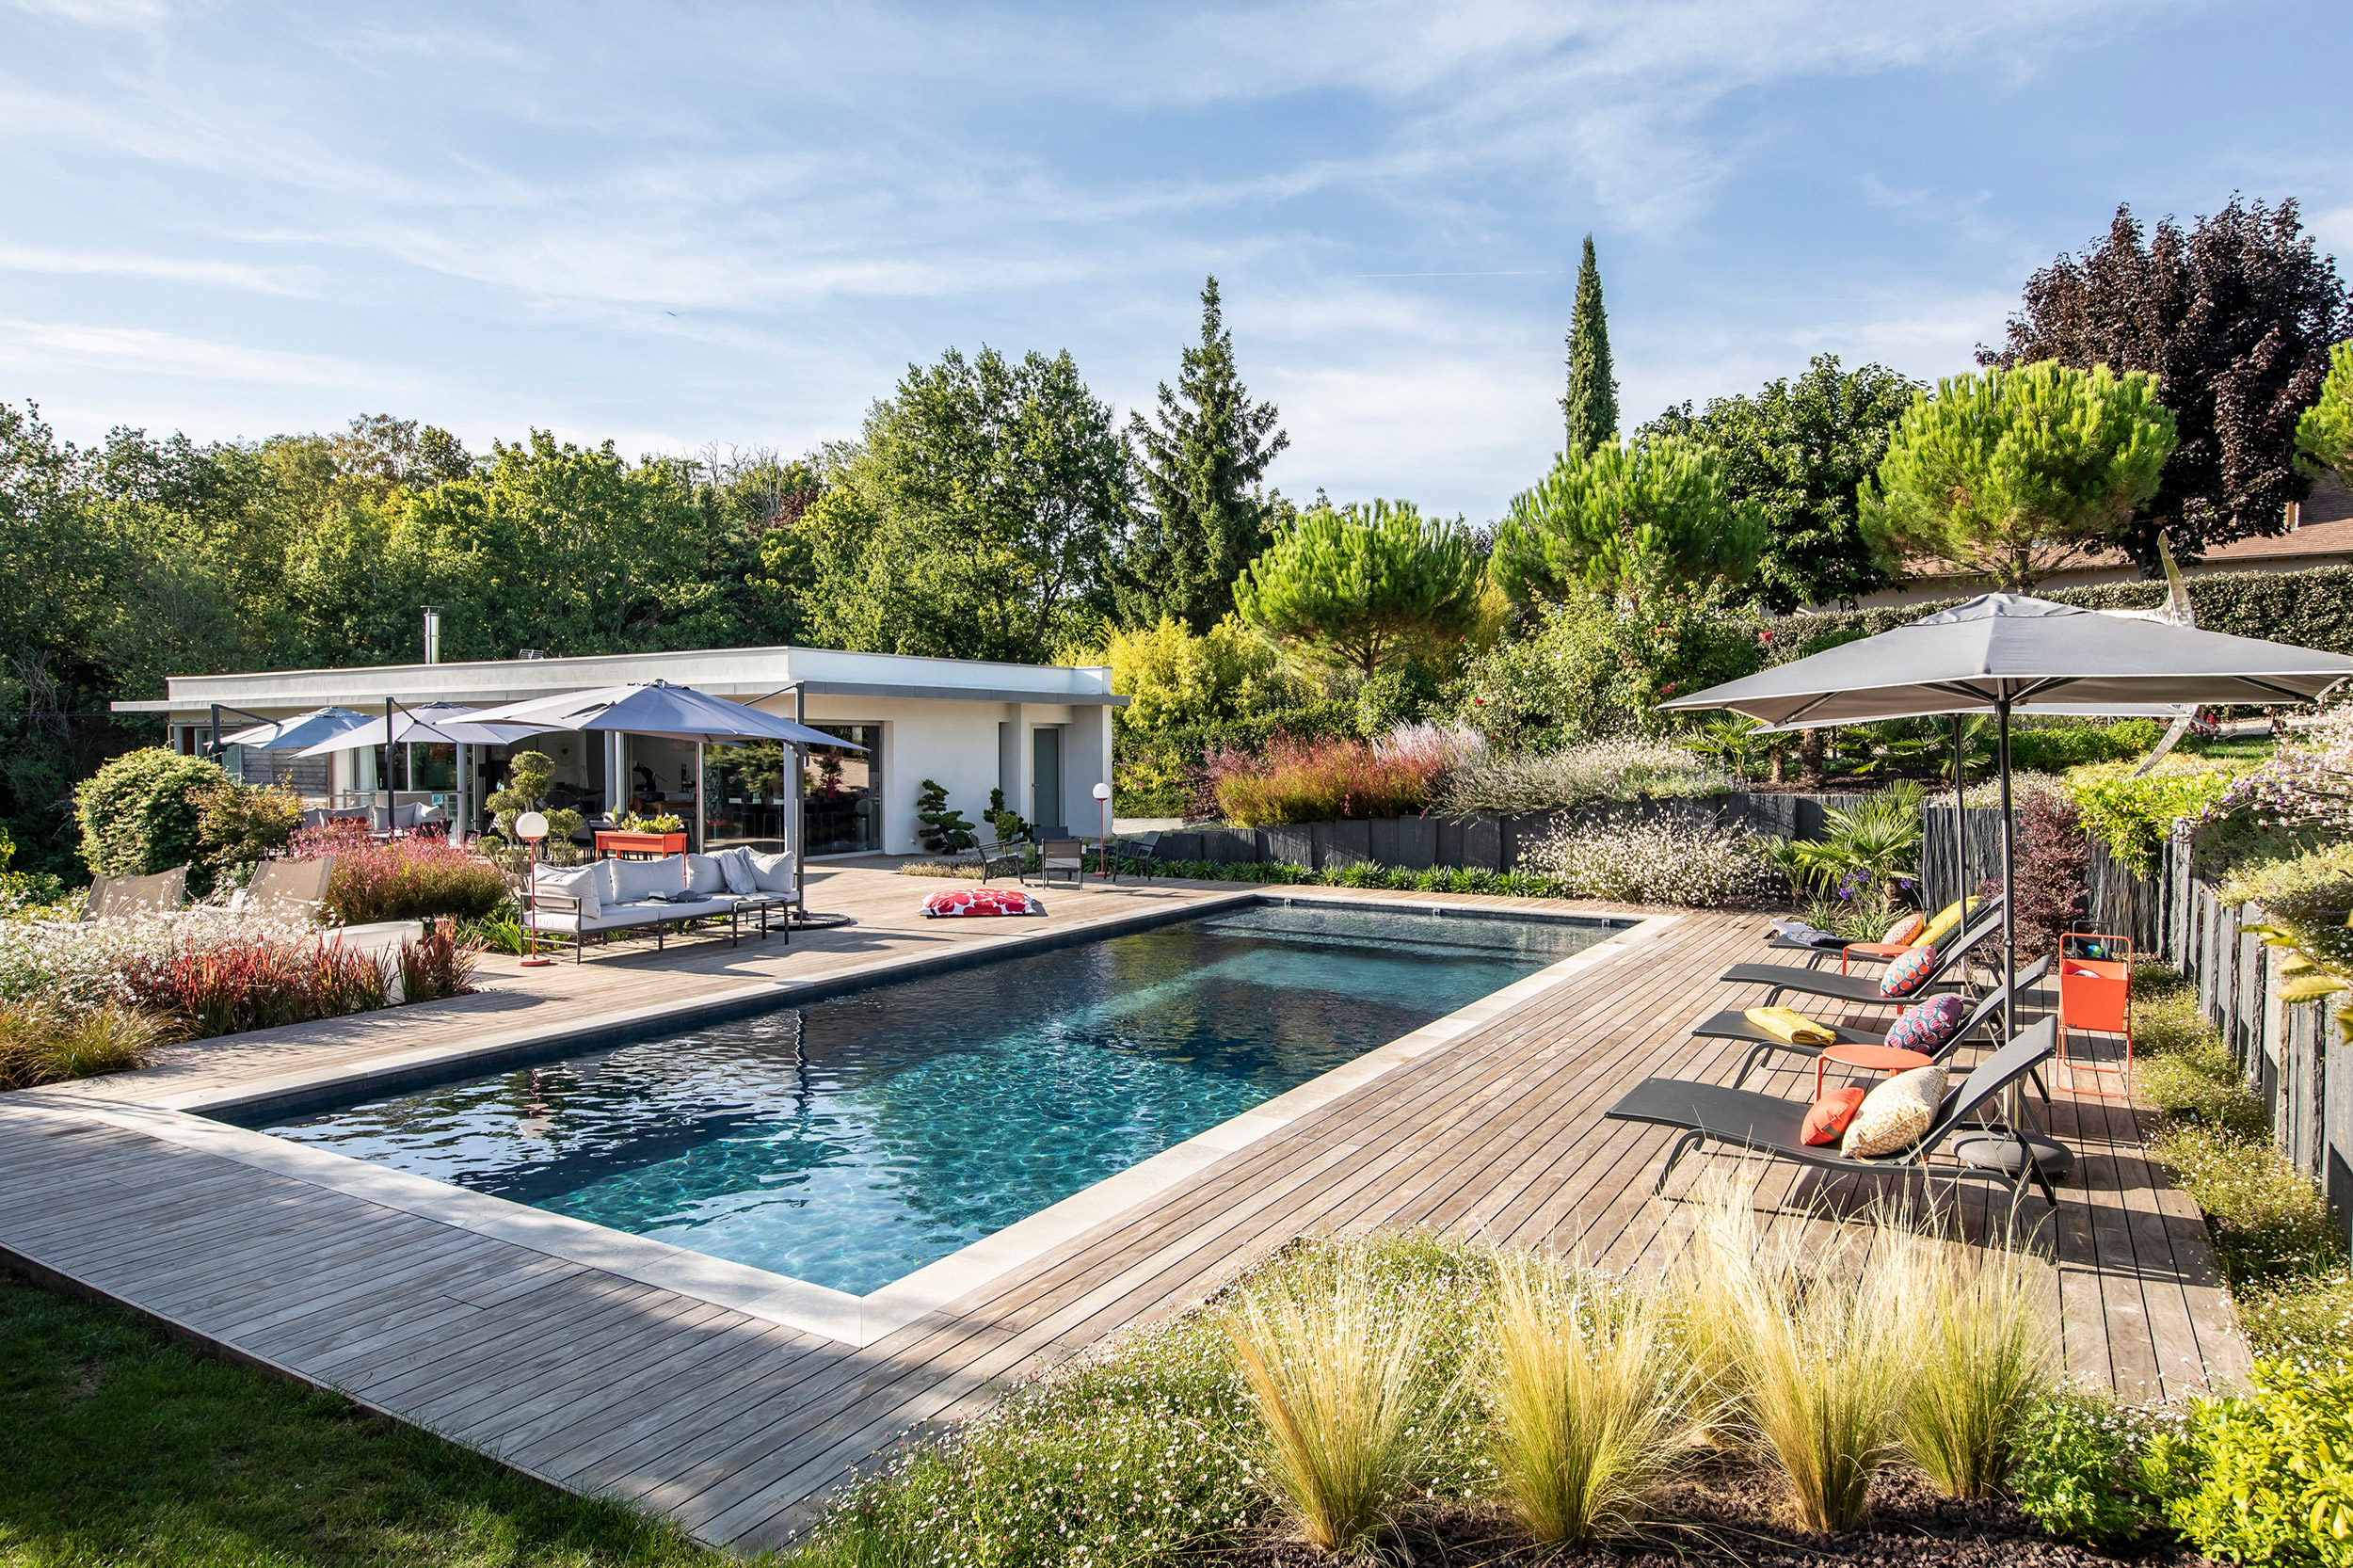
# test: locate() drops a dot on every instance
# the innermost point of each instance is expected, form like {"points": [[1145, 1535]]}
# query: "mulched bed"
{"points": [[1730, 1512]]}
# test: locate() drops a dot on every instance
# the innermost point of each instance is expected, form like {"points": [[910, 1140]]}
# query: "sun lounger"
{"points": [[286, 887], [1771, 1126], [1732, 1024], [1865, 988], [124, 897], [1866, 949]]}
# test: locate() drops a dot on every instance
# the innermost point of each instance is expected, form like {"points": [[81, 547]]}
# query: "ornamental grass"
{"points": [[1310, 781], [241, 983], [41, 1043], [1591, 1403], [417, 878], [1348, 1397], [1984, 1353]]}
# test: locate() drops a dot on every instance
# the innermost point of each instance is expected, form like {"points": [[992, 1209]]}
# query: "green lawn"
{"points": [[119, 1447]]}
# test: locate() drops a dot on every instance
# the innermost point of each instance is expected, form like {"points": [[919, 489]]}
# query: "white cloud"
{"points": [[39, 345]]}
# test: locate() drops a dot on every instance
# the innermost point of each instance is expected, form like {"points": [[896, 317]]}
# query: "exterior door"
{"points": [[1045, 779]]}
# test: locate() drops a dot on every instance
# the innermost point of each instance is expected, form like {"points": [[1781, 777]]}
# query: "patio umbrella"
{"points": [[431, 724], [2008, 653], [659, 709], [293, 734]]}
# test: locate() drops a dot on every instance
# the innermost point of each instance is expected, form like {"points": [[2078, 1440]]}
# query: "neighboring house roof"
{"points": [[2323, 527]]}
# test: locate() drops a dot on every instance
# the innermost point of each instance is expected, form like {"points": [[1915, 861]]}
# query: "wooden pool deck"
{"points": [[723, 1414]]}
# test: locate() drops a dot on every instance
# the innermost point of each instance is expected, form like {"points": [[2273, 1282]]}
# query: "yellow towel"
{"points": [[1788, 1023]]}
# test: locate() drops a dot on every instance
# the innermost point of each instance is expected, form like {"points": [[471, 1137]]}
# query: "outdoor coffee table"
{"points": [[1888, 1059]]}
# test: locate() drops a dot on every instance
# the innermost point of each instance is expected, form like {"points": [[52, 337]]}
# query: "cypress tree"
{"points": [[1203, 456], [1591, 406]]}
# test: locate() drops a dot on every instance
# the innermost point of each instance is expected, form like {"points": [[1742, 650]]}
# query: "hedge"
{"points": [[2312, 609]]}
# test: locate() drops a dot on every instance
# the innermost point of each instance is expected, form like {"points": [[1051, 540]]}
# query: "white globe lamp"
{"points": [[1103, 837], [531, 827]]}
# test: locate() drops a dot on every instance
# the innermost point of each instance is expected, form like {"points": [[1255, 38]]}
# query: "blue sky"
{"points": [[736, 225]]}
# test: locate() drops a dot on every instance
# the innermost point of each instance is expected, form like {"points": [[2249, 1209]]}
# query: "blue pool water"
{"points": [[851, 1142]]}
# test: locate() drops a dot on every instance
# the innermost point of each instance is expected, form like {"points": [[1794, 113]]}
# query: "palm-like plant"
{"points": [[1731, 741], [1874, 844]]}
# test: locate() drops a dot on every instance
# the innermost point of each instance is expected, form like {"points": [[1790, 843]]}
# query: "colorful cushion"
{"points": [[982, 901], [1944, 922], [1893, 1115], [1908, 973], [1906, 931], [1826, 1117], [1928, 1026]]}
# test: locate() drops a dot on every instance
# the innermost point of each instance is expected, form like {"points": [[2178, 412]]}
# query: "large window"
{"points": [[845, 792], [747, 796]]}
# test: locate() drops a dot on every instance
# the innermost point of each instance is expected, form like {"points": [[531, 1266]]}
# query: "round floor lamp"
{"points": [[531, 827], [1103, 813]]}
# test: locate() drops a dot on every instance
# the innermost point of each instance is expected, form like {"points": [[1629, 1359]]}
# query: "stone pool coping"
{"points": [[852, 1321]]}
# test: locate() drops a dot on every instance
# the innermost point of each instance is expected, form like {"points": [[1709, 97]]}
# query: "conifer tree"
{"points": [[1591, 406], [1203, 456]]}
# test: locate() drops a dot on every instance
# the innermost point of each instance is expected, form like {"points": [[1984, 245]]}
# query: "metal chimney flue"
{"points": [[432, 635]]}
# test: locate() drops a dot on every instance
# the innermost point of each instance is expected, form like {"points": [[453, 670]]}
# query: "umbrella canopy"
{"points": [[662, 710], [433, 723], [303, 730], [2031, 656]]}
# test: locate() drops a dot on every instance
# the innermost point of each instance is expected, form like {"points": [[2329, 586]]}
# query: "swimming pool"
{"points": [[851, 1142]]}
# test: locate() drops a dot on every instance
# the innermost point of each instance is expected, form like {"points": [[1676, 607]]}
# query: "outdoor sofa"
{"points": [[611, 898]]}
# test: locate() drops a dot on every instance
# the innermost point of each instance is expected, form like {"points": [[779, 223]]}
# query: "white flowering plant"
{"points": [[1622, 768], [1658, 862]]}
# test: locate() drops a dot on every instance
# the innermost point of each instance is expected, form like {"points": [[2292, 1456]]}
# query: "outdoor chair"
{"points": [[286, 887], [1064, 854], [1147, 847], [995, 855], [1945, 976], [1732, 1024], [1751, 1123], [122, 897]]}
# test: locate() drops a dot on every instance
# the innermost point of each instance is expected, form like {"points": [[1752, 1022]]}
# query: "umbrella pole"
{"points": [[2010, 898], [1960, 823]]}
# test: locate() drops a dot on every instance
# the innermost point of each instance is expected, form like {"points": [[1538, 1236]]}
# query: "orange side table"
{"points": [[1871, 949], [1888, 1059]]}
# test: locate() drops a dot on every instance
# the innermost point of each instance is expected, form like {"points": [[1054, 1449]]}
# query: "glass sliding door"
{"points": [[844, 809]]}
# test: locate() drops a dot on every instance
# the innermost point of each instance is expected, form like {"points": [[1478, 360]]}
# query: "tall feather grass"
{"points": [[1591, 1401], [1984, 1352], [1821, 1354], [1347, 1398], [46, 1044]]}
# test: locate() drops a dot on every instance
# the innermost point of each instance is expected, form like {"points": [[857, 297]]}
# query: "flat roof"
{"points": [[742, 673]]}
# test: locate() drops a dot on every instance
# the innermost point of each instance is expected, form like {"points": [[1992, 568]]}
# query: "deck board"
{"points": [[736, 1425]]}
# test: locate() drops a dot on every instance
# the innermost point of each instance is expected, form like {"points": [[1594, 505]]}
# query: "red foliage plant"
{"points": [[401, 879], [1306, 781], [2053, 873], [245, 983]]}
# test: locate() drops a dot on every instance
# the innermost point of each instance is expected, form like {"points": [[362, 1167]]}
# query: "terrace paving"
{"points": [[492, 1325]]}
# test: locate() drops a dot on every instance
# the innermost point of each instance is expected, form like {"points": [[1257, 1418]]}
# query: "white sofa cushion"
{"points": [[735, 870], [771, 874], [703, 875], [580, 882], [634, 879]]}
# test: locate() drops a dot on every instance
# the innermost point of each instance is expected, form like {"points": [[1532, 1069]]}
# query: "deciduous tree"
{"points": [[1626, 515], [1201, 460], [2008, 474], [2325, 433], [1362, 585], [1798, 450], [2234, 319]]}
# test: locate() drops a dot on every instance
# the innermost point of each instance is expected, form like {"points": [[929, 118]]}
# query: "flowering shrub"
{"points": [[250, 982], [81, 964], [1657, 863], [402, 879], [1620, 769], [2134, 817], [1304, 781], [2080, 1466]]}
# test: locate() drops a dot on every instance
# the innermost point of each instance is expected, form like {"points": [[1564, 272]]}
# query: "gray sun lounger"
{"points": [[1745, 1120], [1838, 949], [1865, 988], [1732, 1024]]}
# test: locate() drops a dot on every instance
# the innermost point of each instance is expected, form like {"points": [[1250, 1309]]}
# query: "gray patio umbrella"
{"points": [[659, 709], [431, 724], [2008, 653], [293, 734]]}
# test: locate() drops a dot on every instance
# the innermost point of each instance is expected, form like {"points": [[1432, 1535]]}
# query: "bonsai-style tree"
{"points": [[1623, 516], [528, 773], [1360, 585], [945, 831], [2325, 433], [1010, 828], [2011, 474]]}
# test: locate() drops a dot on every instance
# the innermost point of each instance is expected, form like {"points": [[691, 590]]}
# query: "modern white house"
{"points": [[1040, 733]]}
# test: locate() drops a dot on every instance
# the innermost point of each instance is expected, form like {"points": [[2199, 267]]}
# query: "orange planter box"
{"points": [[2095, 998], [640, 844]]}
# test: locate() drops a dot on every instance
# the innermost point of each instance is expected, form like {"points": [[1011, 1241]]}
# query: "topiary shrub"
{"points": [[139, 814]]}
